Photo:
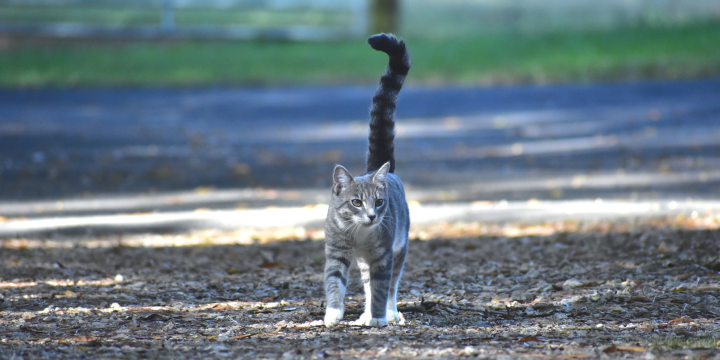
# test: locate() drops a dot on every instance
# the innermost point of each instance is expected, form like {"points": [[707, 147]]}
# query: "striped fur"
{"points": [[368, 218], [381, 147]]}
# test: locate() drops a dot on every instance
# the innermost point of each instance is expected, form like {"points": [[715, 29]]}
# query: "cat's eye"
{"points": [[356, 202], [378, 202]]}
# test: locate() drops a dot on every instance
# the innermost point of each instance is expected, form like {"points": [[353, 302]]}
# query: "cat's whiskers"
{"points": [[353, 229], [385, 225], [358, 225], [351, 225]]}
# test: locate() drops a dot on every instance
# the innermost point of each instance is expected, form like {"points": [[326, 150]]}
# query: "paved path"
{"points": [[103, 151]]}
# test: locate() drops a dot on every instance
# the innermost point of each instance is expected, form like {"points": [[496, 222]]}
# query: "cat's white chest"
{"points": [[365, 234]]}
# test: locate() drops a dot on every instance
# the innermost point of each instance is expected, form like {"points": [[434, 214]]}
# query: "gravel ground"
{"points": [[646, 290]]}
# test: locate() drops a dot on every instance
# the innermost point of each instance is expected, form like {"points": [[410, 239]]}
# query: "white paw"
{"points": [[378, 322], [395, 316], [333, 317], [364, 319]]}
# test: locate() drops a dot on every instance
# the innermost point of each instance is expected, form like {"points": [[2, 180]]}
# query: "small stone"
{"points": [[469, 351], [532, 274], [571, 284]]}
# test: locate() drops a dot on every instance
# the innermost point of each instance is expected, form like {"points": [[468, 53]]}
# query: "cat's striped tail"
{"points": [[381, 145]]}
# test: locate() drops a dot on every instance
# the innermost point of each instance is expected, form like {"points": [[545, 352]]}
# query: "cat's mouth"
{"points": [[371, 222]]}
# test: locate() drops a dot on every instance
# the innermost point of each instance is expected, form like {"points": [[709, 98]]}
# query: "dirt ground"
{"points": [[643, 291]]}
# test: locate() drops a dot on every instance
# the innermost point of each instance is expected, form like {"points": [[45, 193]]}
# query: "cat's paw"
{"points": [[363, 320], [367, 320], [395, 316], [333, 317], [378, 322], [387, 43]]}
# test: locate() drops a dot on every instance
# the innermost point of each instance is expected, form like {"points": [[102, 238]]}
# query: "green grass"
{"points": [[122, 14], [16, 13], [635, 53]]}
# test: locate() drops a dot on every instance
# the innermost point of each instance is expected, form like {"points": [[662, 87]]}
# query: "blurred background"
{"points": [[292, 42], [236, 104]]}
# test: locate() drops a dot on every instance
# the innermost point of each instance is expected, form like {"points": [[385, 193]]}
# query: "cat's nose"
{"points": [[372, 217]]}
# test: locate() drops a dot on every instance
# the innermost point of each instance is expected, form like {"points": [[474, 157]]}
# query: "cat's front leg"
{"points": [[376, 281], [366, 317], [333, 316], [337, 262], [393, 315]]}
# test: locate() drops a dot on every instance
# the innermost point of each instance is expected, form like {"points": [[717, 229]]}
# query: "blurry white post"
{"points": [[168, 16], [361, 17]]}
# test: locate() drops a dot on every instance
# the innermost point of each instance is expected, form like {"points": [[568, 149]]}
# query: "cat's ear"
{"points": [[380, 176], [341, 179]]}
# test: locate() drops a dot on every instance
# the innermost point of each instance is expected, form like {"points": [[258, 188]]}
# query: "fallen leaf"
{"points": [[262, 311], [632, 348], [613, 348], [681, 320], [241, 336], [610, 349], [529, 338]]}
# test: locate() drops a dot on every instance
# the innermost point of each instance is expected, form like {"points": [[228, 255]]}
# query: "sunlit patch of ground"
{"points": [[424, 231], [569, 289]]}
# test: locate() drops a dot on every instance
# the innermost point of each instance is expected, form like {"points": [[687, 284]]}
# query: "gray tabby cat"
{"points": [[368, 217]]}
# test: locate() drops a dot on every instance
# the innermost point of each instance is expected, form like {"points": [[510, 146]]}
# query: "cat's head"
{"points": [[360, 200]]}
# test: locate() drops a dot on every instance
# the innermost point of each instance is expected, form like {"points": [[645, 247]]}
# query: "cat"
{"points": [[368, 217]]}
